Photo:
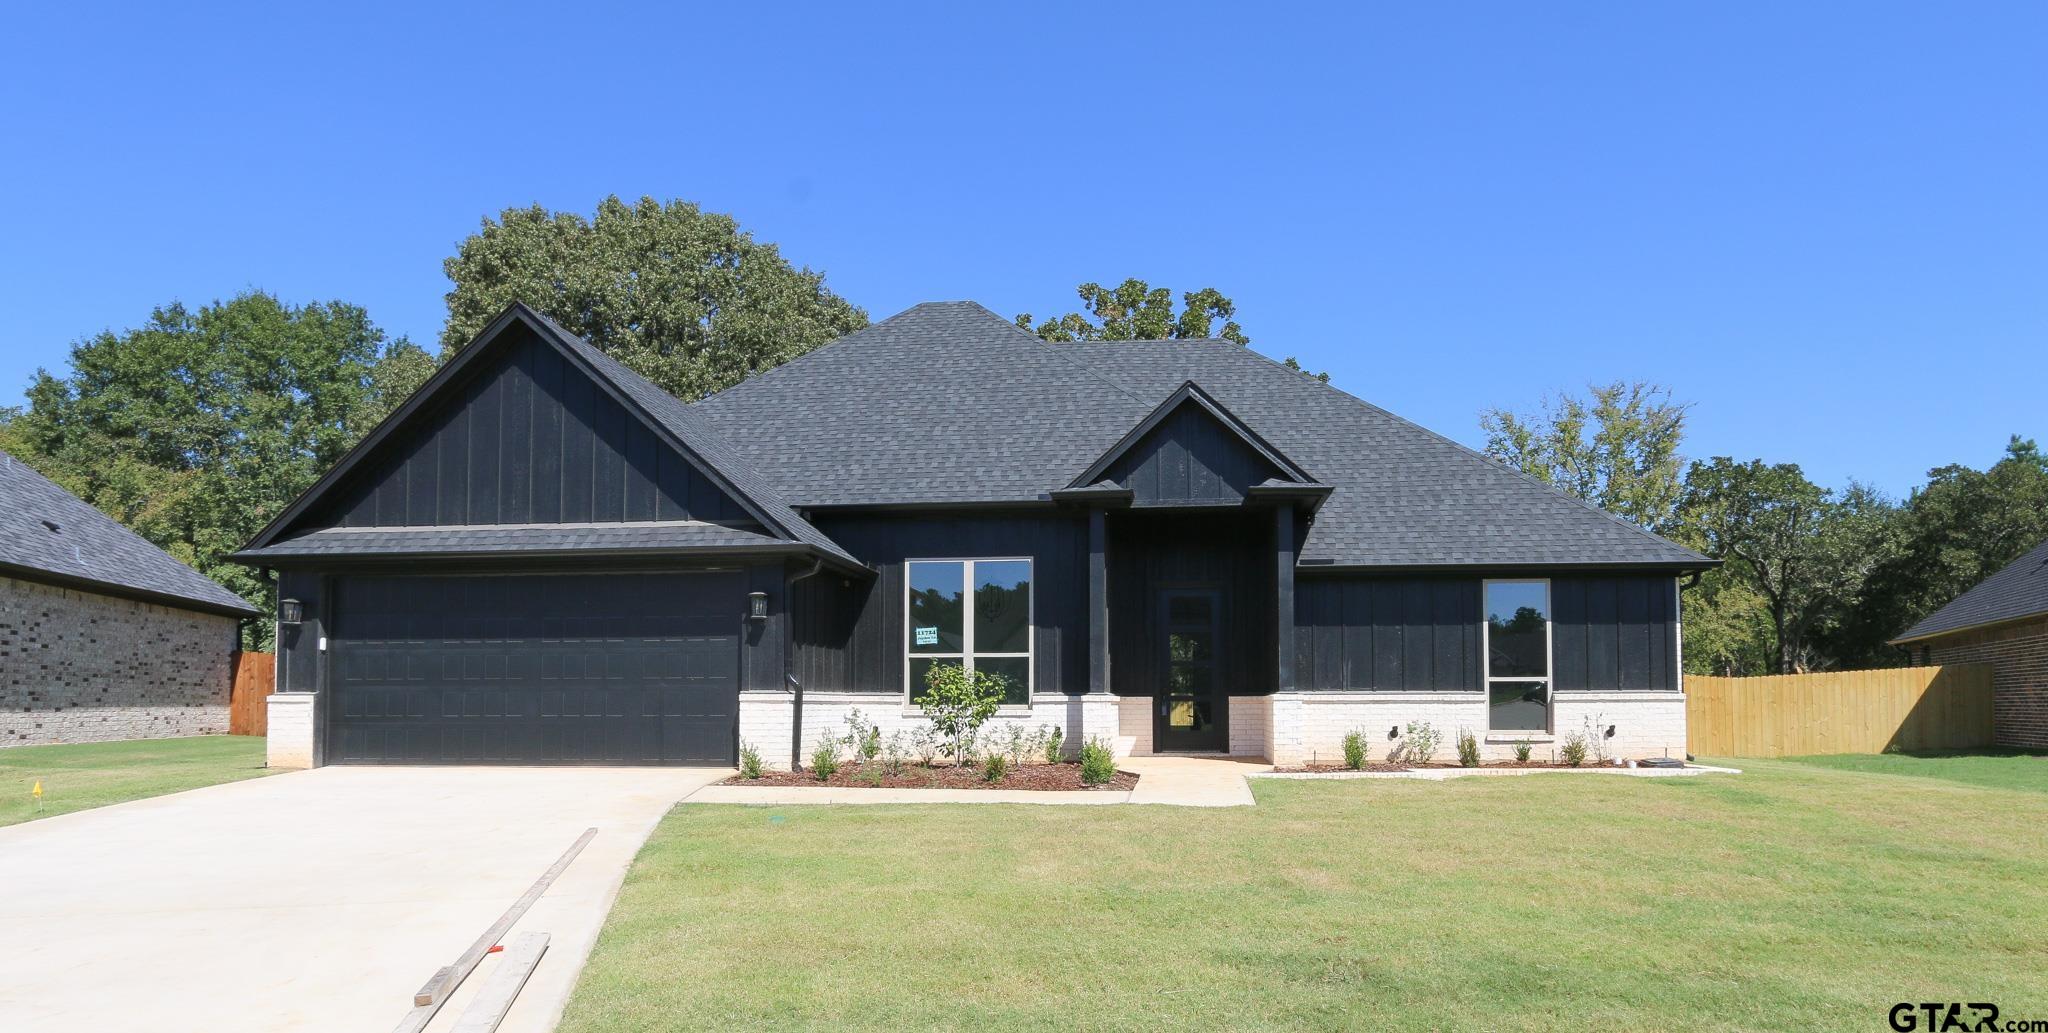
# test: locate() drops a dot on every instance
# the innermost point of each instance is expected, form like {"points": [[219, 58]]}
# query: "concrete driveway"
{"points": [[318, 900]]}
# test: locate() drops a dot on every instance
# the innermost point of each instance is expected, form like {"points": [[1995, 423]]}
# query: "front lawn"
{"points": [[1793, 896], [2003, 769], [80, 775]]}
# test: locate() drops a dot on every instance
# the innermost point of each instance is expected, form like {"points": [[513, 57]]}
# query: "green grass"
{"points": [[94, 774], [1793, 896], [1999, 770]]}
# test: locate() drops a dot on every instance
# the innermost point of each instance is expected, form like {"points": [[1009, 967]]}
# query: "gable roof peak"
{"points": [[1191, 393]]}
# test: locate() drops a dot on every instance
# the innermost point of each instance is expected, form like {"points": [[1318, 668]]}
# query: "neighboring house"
{"points": [[2002, 622], [1176, 545], [102, 635]]}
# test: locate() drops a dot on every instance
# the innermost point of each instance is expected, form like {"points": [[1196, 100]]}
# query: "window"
{"points": [[1517, 638], [976, 613]]}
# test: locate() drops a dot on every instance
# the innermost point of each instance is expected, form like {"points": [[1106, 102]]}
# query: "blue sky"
{"points": [[1825, 225]]}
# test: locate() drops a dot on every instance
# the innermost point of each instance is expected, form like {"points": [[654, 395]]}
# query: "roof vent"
{"points": [[52, 525]]}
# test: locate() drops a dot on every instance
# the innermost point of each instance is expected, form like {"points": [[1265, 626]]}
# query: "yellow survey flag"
{"points": [[37, 792]]}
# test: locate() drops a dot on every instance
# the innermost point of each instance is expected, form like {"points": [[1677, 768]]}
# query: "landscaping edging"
{"points": [[779, 796]]}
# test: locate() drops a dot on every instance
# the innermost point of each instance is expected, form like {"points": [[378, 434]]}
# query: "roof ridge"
{"points": [[841, 339]]}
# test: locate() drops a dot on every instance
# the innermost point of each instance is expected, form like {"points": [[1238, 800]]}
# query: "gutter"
{"points": [[796, 719]]}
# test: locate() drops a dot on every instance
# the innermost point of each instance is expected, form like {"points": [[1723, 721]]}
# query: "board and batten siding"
{"points": [[1189, 459], [849, 634], [1422, 634], [528, 439]]}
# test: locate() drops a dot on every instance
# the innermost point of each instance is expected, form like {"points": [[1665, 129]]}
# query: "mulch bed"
{"points": [[1045, 777]]}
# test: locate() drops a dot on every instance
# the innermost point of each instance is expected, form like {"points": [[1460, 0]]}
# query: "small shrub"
{"points": [[1596, 737], [1016, 745], [859, 731], [892, 753], [1098, 761], [1354, 749], [1054, 739], [1522, 749], [1574, 752], [958, 704], [825, 758], [1468, 749], [925, 743], [750, 761], [1421, 742], [994, 767]]}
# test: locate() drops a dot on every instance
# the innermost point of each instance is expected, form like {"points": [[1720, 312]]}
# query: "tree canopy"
{"points": [[197, 428], [680, 295], [1801, 549], [1137, 311], [1617, 448]]}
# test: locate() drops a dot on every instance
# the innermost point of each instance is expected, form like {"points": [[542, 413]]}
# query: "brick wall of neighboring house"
{"points": [[2018, 655], [82, 667]]}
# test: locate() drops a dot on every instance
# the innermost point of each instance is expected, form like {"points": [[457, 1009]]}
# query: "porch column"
{"points": [[1283, 597], [1098, 601]]}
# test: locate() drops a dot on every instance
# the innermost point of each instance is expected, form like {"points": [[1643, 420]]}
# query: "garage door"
{"points": [[567, 669]]}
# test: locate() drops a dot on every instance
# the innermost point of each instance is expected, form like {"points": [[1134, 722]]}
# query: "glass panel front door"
{"points": [[1191, 710]]}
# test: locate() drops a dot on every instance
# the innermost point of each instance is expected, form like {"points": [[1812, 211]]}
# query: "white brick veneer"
{"points": [[289, 741], [1309, 727], [765, 719]]}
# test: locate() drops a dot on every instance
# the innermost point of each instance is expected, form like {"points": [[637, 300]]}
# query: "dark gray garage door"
{"points": [[566, 669]]}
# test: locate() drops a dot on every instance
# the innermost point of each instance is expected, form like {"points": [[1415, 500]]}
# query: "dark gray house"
{"points": [[2003, 621], [103, 635], [1177, 545]]}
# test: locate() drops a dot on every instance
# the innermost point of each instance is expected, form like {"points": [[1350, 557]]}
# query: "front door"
{"points": [[1191, 709]]}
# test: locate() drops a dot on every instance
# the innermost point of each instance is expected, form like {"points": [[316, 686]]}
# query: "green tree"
{"points": [[1802, 550], [1137, 311], [197, 428], [1617, 448], [682, 296], [1961, 528]]}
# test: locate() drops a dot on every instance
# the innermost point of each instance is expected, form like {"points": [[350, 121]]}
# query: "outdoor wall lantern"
{"points": [[290, 611], [757, 606], [1394, 732], [1610, 732]]}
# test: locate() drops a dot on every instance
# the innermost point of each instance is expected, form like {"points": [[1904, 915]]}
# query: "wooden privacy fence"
{"points": [[255, 678], [1789, 715]]}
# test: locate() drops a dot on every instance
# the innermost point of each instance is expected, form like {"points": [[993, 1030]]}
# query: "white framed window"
{"points": [[1515, 640], [975, 613]]}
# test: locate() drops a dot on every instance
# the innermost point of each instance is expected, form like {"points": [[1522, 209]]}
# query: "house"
{"points": [[2002, 622], [1175, 545], [103, 635]]}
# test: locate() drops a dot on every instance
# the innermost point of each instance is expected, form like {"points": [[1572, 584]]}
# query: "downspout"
{"points": [[796, 720]]}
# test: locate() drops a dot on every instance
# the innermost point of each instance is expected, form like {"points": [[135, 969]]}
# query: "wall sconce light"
{"points": [[290, 611], [1394, 732], [1610, 732], [757, 606]]}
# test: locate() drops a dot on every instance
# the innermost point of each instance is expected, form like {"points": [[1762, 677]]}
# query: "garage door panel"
{"points": [[639, 669]]}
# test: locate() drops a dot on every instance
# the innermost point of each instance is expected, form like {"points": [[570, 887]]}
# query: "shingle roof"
{"points": [[2019, 590], [524, 538], [949, 402], [47, 533]]}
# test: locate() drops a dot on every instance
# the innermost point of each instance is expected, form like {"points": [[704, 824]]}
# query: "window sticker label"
{"points": [[928, 636]]}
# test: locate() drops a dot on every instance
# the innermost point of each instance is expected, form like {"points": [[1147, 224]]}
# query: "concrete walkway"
{"points": [[317, 900], [1176, 781]]}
